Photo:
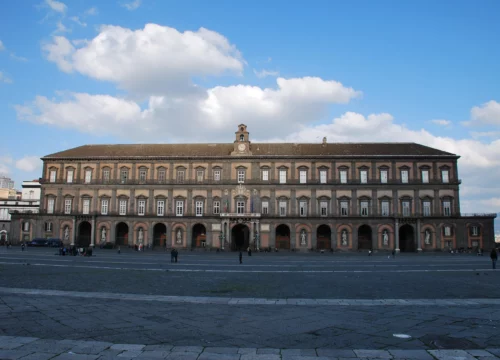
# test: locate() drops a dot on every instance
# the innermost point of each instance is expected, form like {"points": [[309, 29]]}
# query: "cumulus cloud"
{"points": [[133, 5], [264, 73], [56, 6], [91, 12], [61, 28], [77, 20], [488, 113], [441, 122], [29, 163], [5, 79], [60, 51]]}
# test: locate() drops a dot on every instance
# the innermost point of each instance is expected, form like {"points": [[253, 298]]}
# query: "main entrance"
{"points": [[84, 234], [121, 234], [407, 239], [240, 238], [199, 236], [324, 236], [159, 235], [364, 237], [283, 237]]}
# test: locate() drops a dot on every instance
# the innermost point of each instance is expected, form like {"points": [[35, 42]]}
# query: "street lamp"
{"points": [[256, 236], [221, 238]]}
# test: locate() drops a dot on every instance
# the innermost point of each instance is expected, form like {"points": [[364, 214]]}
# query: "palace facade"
{"points": [[340, 196]]}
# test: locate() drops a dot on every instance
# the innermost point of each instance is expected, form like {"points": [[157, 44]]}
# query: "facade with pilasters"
{"points": [[323, 196]]}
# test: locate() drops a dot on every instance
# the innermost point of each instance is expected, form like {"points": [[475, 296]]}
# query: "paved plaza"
{"points": [[273, 306]]}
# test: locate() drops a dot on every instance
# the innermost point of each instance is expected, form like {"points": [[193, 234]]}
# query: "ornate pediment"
{"points": [[241, 190]]}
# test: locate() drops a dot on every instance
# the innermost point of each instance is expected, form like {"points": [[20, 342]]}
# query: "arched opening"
{"points": [[199, 236], [283, 237], [324, 237], [121, 234], [407, 239], [84, 234], [159, 235], [3, 237], [364, 237], [240, 237]]}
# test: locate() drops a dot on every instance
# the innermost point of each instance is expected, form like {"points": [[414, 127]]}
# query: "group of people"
{"points": [[173, 255]]}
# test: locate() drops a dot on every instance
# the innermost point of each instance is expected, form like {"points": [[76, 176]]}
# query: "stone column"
{"points": [[419, 237], [98, 171], [396, 235], [92, 234], [131, 204], [395, 209], [272, 205], [293, 238], [333, 237], [73, 232], [76, 205], [314, 238], [209, 209], [169, 203], [112, 232], [252, 239], [151, 234], [272, 236], [293, 169], [189, 236], [60, 201]]}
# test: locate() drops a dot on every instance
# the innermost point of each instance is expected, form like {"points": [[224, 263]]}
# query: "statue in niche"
{"points": [[344, 237], [179, 236], [103, 235], [66, 233], [385, 237], [427, 239], [303, 237], [141, 236]]}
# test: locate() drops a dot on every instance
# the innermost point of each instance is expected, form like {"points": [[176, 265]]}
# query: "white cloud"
{"points": [[56, 6], [132, 5], [29, 163], [264, 73], [5, 79], [2, 47], [77, 20], [60, 51], [18, 58], [92, 11], [61, 28], [6, 159], [441, 122], [479, 134], [487, 113]]}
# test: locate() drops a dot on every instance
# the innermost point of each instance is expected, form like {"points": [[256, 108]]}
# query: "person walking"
{"points": [[241, 258], [249, 250], [172, 255], [176, 254], [494, 257]]}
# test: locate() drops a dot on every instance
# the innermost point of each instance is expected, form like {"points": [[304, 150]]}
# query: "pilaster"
{"points": [[437, 203], [272, 205], [293, 201], [314, 202], [151, 203], [112, 205], [354, 201], [292, 170], [419, 237], [189, 209], [396, 235]]}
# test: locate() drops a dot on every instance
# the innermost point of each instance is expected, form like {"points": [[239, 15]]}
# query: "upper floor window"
{"points": [[199, 208], [474, 230], [217, 175], [50, 205], [199, 175], [242, 137], [303, 176], [425, 176], [265, 175], [53, 176], [160, 207], [86, 206], [303, 208], [104, 206], [26, 226], [69, 176], [344, 208], [323, 208], [364, 204], [383, 176], [446, 207], [161, 175], [404, 176], [282, 208], [406, 205], [426, 208], [265, 207], [445, 176], [363, 175], [48, 226], [240, 207], [384, 208], [322, 176], [88, 176], [179, 208], [217, 207], [447, 230], [343, 176], [282, 176], [106, 175], [124, 176], [123, 207], [180, 176], [241, 175], [67, 206], [142, 175], [141, 207]]}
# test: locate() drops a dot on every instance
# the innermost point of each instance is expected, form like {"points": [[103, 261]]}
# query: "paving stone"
{"points": [[218, 356], [13, 354], [247, 350], [336, 353], [38, 356], [411, 354], [305, 357], [479, 353], [268, 351], [494, 351], [68, 356], [180, 349], [260, 357], [183, 356], [221, 350], [158, 348], [153, 354], [127, 347], [448, 354], [303, 352], [373, 354]]}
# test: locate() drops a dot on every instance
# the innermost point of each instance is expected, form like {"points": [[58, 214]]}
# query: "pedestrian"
{"points": [[119, 250], [370, 252], [176, 254], [393, 253], [494, 257], [241, 258], [249, 251], [172, 255]]}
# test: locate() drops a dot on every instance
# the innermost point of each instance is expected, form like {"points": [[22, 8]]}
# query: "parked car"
{"points": [[38, 242], [54, 242]]}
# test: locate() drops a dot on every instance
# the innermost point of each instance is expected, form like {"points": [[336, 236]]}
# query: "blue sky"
{"points": [[79, 72]]}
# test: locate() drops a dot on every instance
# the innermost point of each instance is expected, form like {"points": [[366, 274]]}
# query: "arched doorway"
{"points": [[283, 237], [240, 237], [407, 239], [199, 236], [159, 235], [364, 237], [121, 234], [3, 237], [84, 234], [324, 236]]}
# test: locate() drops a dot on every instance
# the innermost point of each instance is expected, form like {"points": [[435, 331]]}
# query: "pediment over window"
{"points": [[385, 198], [344, 198]]}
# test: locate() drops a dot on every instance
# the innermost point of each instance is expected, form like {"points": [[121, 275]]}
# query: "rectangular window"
{"points": [[105, 175], [426, 208], [67, 206], [425, 176], [124, 176], [161, 175], [322, 176], [88, 176], [160, 208], [364, 207], [406, 208], [123, 207], [447, 231], [48, 226], [141, 207], [282, 176], [104, 206], [199, 175], [282, 208], [303, 176], [344, 208], [303, 208], [179, 208], [69, 176], [363, 175], [180, 176], [216, 207], [241, 176], [446, 208], [26, 226], [343, 176], [240, 207], [217, 175], [383, 176], [445, 176], [142, 175], [265, 175], [86, 206], [474, 230], [404, 176], [53, 174], [199, 208], [384, 208], [50, 205], [323, 206], [265, 207]]}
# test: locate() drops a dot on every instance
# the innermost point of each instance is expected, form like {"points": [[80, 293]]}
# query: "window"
{"points": [[217, 175], [161, 175], [160, 208], [343, 176], [322, 176], [241, 176], [50, 205], [86, 206], [123, 207], [104, 206], [445, 176], [344, 208], [282, 176], [69, 176], [180, 176], [426, 208], [383, 176], [303, 176], [88, 176], [216, 207], [141, 207], [282, 208], [406, 207], [67, 206], [179, 207], [240, 207], [48, 226], [447, 231], [265, 175], [32, 194], [323, 206], [363, 175], [447, 208], [265, 207], [199, 175], [26, 226], [425, 176], [53, 174], [303, 208], [124, 176], [364, 207], [404, 176], [105, 175], [474, 230], [385, 208], [142, 175], [242, 137], [199, 208]]}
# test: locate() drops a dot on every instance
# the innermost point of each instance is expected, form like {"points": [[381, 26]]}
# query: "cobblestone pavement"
{"points": [[323, 306]]}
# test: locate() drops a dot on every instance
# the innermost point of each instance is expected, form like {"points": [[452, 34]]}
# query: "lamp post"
{"points": [[221, 238], [256, 236]]}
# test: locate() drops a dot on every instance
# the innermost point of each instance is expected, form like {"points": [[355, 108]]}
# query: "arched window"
{"points": [[242, 137]]}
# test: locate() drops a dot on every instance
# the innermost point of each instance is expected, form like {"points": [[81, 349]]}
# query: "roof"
{"points": [[257, 149]]}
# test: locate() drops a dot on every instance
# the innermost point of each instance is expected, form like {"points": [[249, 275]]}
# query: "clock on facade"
{"points": [[241, 147]]}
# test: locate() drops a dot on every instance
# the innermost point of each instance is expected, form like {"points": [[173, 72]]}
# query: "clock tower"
{"points": [[241, 143]]}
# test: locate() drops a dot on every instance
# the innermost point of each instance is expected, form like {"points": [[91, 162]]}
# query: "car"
{"points": [[54, 242], [38, 242]]}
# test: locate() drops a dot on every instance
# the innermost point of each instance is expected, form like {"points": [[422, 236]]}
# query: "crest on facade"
{"points": [[241, 190]]}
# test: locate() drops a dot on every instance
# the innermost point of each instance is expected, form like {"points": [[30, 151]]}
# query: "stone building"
{"points": [[340, 196]]}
